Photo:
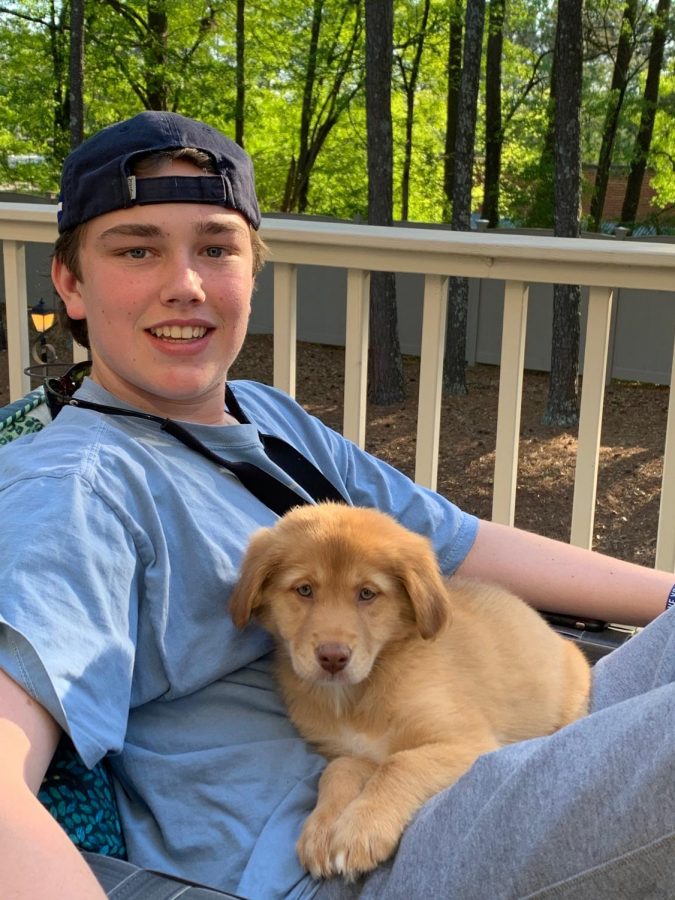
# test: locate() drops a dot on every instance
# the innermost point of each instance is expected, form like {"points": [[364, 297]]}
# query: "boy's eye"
{"points": [[215, 252], [137, 253]]}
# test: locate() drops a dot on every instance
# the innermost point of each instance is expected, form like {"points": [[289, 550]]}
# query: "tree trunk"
{"points": [[156, 55], [60, 93], [614, 104], [385, 366], [540, 214], [240, 100], [410, 85], [562, 404], [452, 105], [308, 95], [163, 68], [296, 183], [320, 111], [454, 367], [643, 139], [76, 73], [493, 113], [562, 407]]}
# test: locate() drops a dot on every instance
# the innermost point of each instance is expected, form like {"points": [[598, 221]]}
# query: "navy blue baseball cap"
{"points": [[98, 177]]}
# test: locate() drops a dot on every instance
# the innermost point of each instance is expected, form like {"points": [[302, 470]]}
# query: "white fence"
{"points": [[517, 260]]}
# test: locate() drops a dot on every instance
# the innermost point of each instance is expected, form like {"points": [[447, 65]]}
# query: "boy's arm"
{"points": [[37, 858], [559, 577]]}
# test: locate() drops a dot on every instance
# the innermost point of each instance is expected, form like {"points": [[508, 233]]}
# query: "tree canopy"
{"points": [[297, 93]]}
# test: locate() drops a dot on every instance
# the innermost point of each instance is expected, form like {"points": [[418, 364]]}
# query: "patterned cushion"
{"points": [[82, 802], [80, 799], [23, 416]]}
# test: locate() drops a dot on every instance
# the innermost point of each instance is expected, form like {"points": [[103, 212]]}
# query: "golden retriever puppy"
{"points": [[400, 678]]}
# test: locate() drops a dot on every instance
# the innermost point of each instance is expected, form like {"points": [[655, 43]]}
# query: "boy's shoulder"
{"points": [[258, 392], [267, 406], [72, 444]]}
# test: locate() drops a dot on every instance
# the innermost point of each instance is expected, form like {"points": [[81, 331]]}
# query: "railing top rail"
{"points": [[440, 251], [28, 212], [431, 250], [28, 222], [441, 239]]}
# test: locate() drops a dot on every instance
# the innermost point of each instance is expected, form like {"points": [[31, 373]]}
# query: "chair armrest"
{"points": [[596, 642]]}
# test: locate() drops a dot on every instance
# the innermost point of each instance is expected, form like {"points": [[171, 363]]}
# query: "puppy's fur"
{"points": [[399, 678]]}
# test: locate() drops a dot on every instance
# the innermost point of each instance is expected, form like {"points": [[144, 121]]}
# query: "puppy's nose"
{"points": [[333, 657]]}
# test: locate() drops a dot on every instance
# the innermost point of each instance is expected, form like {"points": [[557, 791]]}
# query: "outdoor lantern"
{"points": [[42, 318]]}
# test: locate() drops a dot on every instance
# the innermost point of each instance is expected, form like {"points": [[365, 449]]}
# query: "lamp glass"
{"points": [[42, 317]]}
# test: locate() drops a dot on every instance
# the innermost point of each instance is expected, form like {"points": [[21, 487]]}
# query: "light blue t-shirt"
{"points": [[118, 549]]}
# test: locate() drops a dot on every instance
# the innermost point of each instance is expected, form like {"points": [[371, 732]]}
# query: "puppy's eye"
{"points": [[305, 590], [365, 594]]}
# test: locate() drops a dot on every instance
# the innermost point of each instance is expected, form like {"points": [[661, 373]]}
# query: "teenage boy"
{"points": [[139, 503]]}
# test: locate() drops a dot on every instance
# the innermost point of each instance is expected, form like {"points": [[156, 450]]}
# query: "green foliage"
{"points": [[663, 149], [26, 112], [193, 68]]}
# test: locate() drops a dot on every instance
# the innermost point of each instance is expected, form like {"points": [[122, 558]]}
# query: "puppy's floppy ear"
{"points": [[421, 577], [257, 566]]}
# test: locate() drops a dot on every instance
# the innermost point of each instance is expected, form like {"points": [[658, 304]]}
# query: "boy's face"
{"points": [[166, 291]]}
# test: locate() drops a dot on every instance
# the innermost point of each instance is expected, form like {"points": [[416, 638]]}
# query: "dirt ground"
{"points": [[631, 454]]}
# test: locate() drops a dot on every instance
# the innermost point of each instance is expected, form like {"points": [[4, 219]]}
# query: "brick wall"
{"points": [[616, 190]]}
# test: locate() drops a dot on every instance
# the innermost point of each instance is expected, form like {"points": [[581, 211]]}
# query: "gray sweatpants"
{"points": [[587, 813]]}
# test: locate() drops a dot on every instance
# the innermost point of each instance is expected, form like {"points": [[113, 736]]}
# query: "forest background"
{"points": [[286, 78]]}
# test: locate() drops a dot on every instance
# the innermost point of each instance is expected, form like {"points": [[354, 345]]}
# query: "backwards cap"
{"points": [[98, 175]]}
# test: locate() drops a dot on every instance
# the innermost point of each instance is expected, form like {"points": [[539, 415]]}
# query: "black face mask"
{"points": [[276, 495]]}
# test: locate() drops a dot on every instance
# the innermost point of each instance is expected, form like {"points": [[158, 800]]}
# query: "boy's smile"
{"points": [[166, 292]]}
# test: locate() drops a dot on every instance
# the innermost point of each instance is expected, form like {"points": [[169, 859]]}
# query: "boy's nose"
{"points": [[182, 284]]}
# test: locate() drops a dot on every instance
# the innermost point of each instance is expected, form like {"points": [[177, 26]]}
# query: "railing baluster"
{"points": [[590, 416], [285, 319], [431, 379], [356, 356], [516, 260], [665, 539], [16, 297], [512, 363], [80, 353]]}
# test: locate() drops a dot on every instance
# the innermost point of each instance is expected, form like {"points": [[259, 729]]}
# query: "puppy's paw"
{"points": [[313, 847], [362, 838]]}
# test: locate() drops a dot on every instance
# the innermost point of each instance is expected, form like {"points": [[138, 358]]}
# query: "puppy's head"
{"points": [[335, 584]]}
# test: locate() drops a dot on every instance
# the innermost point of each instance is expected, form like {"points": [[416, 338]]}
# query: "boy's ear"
{"points": [[67, 287]]}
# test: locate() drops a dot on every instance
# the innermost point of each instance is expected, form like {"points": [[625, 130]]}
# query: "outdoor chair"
{"points": [[83, 800]]}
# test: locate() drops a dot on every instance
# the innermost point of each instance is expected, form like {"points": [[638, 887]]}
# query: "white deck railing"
{"points": [[518, 260]]}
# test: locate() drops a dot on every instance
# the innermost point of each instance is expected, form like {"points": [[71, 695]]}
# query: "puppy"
{"points": [[398, 677]]}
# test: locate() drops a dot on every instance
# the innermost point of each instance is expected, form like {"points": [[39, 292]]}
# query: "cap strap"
{"points": [[180, 189]]}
